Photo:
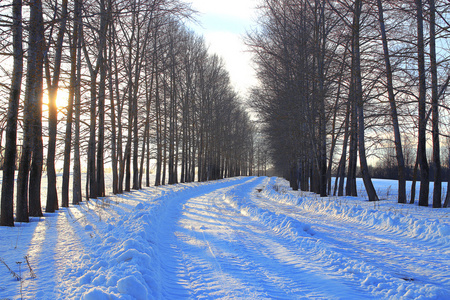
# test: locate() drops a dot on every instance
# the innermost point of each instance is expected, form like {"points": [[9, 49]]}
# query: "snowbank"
{"points": [[398, 285], [394, 217]]}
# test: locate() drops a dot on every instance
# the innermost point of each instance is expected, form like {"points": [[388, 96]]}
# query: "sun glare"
{"points": [[62, 98]]}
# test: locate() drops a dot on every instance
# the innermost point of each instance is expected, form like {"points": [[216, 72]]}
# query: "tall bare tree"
{"points": [[30, 168], [77, 194], [7, 198], [53, 85], [70, 105], [437, 189], [393, 106], [422, 155]]}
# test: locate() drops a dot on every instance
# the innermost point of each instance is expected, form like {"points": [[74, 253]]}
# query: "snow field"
{"points": [[434, 228], [239, 238], [392, 283]]}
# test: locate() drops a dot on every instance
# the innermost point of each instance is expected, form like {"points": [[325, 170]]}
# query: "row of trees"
{"points": [[142, 91], [342, 78]]}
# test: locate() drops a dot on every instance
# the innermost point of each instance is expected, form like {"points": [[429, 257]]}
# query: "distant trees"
{"points": [[291, 100], [337, 76], [142, 91]]}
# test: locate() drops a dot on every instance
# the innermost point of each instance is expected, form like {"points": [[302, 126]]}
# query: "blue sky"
{"points": [[224, 24]]}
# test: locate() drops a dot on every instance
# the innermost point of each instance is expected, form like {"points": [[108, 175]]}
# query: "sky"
{"points": [[223, 25]]}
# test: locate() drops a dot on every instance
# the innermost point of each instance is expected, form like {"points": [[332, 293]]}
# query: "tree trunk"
{"points": [[112, 54], [321, 47], [7, 198], [394, 115], [344, 153], [135, 125], [68, 138], [447, 197], [414, 180], [100, 176], [53, 84], [334, 136], [120, 104], [77, 194], [32, 121], [91, 182], [437, 197], [423, 163], [350, 189], [356, 74], [158, 130]]}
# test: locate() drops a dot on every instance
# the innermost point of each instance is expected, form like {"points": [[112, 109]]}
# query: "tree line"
{"points": [[143, 91], [344, 79]]}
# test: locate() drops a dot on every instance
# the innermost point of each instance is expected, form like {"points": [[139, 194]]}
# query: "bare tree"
{"points": [[77, 194], [422, 155], [32, 136], [437, 190], [7, 213], [53, 84], [358, 94], [393, 106], [69, 118]]}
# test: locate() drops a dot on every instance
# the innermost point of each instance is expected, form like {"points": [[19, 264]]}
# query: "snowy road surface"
{"points": [[241, 238]]}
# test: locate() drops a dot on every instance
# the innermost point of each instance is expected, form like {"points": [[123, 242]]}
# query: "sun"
{"points": [[62, 98]]}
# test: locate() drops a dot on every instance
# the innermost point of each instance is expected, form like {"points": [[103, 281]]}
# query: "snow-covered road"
{"points": [[237, 242], [225, 245], [240, 238]]}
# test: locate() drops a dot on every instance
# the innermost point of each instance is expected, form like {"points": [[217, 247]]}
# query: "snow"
{"points": [[238, 238]]}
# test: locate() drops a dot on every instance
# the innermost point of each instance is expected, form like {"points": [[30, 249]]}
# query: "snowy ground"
{"points": [[240, 238]]}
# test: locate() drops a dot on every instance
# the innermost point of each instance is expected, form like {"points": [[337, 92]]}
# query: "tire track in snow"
{"points": [[227, 254], [279, 242], [175, 270], [200, 260]]}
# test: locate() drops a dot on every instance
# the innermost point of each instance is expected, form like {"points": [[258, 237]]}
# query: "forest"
{"points": [[343, 85], [143, 95], [348, 79]]}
